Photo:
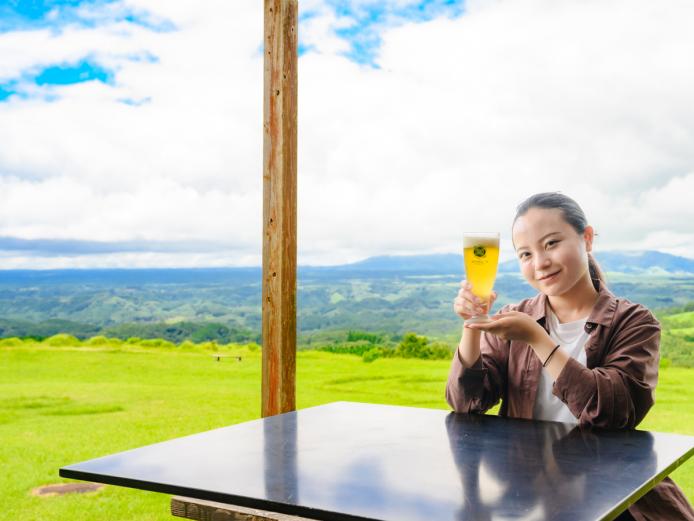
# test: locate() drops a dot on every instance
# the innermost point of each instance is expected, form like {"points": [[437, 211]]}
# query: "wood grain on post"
{"points": [[279, 206]]}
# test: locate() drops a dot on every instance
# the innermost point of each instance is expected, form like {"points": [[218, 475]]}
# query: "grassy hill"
{"points": [[677, 340], [679, 321]]}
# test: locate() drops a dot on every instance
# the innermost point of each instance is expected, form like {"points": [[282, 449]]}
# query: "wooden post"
{"points": [[279, 206]]}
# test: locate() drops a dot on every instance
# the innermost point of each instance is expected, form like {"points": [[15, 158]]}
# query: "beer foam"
{"points": [[470, 241]]}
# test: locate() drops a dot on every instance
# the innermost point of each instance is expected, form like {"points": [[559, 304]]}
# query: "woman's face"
{"points": [[552, 256]]}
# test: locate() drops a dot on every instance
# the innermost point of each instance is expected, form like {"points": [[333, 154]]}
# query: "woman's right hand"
{"points": [[467, 304]]}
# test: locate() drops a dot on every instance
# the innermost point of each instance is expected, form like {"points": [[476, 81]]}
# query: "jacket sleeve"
{"points": [[480, 387], [619, 393]]}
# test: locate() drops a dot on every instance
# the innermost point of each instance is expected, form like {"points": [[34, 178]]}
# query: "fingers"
{"points": [[465, 293], [459, 308], [467, 304], [465, 308], [493, 328], [482, 326], [495, 324], [475, 325]]}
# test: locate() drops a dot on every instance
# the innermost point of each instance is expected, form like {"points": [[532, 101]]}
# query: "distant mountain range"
{"points": [[391, 294], [629, 262], [632, 262]]}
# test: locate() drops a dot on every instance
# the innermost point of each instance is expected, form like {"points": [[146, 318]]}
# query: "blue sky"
{"points": [[367, 21], [60, 74], [132, 129], [28, 14], [371, 18], [56, 16]]}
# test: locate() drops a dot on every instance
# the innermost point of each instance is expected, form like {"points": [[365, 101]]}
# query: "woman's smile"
{"points": [[551, 277]]}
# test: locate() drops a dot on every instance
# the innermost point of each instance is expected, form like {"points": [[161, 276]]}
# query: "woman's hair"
{"points": [[573, 215]]}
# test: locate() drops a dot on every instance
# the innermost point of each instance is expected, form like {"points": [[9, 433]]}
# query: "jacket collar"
{"points": [[602, 313], [604, 309]]}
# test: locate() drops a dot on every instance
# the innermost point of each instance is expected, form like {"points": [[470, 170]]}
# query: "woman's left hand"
{"points": [[512, 325]]}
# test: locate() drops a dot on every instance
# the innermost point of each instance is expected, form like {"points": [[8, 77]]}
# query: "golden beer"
{"points": [[481, 253]]}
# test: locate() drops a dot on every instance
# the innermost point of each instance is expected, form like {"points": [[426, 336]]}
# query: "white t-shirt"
{"points": [[572, 337]]}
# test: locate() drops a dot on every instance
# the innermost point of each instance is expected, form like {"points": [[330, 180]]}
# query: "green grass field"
{"points": [[61, 405]]}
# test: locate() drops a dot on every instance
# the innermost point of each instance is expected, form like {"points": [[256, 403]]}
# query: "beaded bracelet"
{"points": [[550, 356]]}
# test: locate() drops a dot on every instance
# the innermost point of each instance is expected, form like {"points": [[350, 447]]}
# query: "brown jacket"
{"points": [[614, 390]]}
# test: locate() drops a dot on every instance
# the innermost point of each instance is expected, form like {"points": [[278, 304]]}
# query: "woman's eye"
{"points": [[551, 243], [524, 255]]}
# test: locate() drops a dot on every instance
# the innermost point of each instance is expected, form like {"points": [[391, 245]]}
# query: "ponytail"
{"points": [[596, 274]]}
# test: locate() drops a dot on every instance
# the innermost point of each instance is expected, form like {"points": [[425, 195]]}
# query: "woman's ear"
{"points": [[588, 235]]}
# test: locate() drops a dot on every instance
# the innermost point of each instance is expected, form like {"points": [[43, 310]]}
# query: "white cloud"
{"points": [[13, 260], [463, 119], [159, 210]]}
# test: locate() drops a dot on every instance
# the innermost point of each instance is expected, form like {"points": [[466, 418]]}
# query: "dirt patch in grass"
{"points": [[60, 489]]}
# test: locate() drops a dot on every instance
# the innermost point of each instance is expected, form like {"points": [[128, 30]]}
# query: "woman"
{"points": [[573, 353]]}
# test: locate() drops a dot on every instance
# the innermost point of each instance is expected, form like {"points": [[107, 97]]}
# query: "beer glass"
{"points": [[481, 253]]}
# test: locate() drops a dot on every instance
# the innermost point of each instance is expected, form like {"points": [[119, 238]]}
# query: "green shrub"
{"points": [[157, 342], [97, 341], [358, 347], [133, 340], [11, 342], [101, 340], [440, 351], [187, 344], [417, 346], [252, 347], [372, 354], [61, 340], [412, 346], [372, 338]]}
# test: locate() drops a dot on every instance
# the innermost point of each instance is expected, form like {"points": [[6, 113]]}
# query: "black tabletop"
{"points": [[346, 461]]}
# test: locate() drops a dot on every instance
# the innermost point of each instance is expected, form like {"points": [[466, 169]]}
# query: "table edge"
{"points": [[282, 508], [646, 487]]}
